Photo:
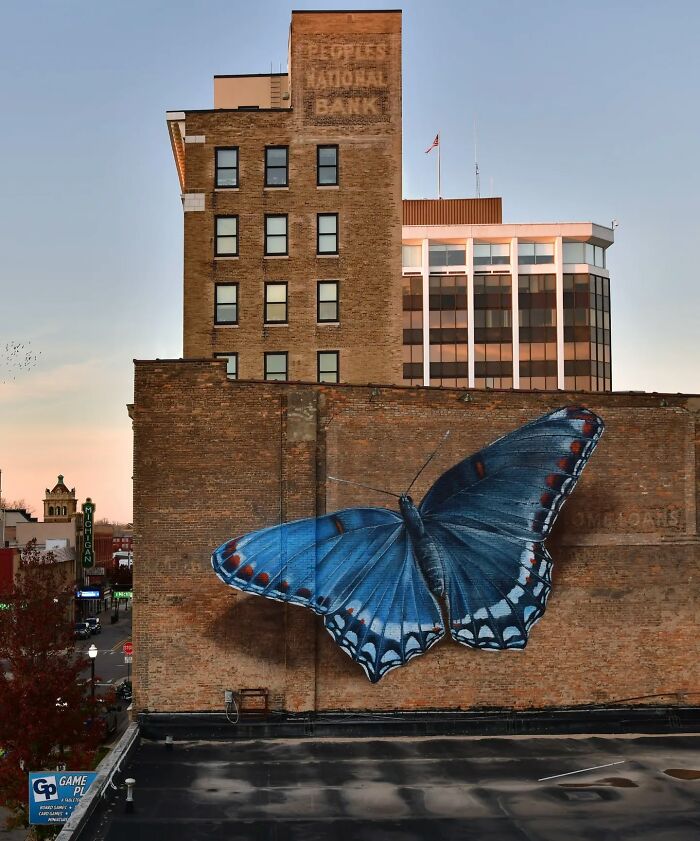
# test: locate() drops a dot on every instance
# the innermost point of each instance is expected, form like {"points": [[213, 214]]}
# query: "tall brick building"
{"points": [[292, 208]]}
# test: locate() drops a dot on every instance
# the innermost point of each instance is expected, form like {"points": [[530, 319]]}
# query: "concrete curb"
{"points": [[109, 766]]}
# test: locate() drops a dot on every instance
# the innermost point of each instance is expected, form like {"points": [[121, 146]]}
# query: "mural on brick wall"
{"points": [[472, 550]]}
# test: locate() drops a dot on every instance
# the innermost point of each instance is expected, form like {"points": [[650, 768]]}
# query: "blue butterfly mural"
{"points": [[475, 543]]}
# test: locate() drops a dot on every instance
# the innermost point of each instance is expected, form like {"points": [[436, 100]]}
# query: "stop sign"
{"points": [[128, 648]]}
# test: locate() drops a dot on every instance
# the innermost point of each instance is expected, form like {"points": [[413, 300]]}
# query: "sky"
{"points": [[584, 112]]}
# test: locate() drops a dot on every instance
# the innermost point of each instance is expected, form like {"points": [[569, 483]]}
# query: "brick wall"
{"points": [[340, 63], [214, 459]]}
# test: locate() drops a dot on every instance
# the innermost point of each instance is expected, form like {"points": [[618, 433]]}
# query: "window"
{"points": [[448, 337], [326, 166], [231, 364], [275, 303], [412, 256], [537, 331], [491, 253], [446, 254], [412, 329], [275, 234], [227, 167], [327, 238], [584, 252], [327, 305], [276, 166], [226, 236], [328, 366], [534, 253], [276, 366], [50, 510], [226, 303], [493, 331]]}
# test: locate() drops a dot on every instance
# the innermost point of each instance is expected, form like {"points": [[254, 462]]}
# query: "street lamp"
{"points": [[92, 652]]}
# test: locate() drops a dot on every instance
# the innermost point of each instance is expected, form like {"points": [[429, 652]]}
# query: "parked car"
{"points": [[94, 623], [81, 631], [125, 692], [106, 719]]}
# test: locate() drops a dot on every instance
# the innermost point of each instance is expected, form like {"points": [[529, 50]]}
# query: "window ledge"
{"points": [[222, 257], [328, 256], [328, 186], [225, 325], [267, 324], [276, 256], [328, 324], [274, 189], [227, 189]]}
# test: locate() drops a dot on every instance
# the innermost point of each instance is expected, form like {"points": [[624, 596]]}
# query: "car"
{"points": [[94, 623], [81, 631]]}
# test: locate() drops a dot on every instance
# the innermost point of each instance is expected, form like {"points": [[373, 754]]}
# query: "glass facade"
{"points": [[448, 330], [493, 331], [413, 329], [585, 303], [587, 362], [537, 332]]}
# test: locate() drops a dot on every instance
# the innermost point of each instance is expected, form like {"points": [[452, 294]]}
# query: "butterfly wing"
{"points": [[356, 568], [489, 515]]}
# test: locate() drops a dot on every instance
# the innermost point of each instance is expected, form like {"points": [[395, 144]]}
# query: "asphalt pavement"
{"points": [[110, 669]]}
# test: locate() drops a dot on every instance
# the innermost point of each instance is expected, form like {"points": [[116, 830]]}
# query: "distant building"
{"points": [[60, 504]]}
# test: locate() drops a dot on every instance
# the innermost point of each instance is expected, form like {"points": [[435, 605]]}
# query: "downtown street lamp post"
{"points": [[92, 651]]}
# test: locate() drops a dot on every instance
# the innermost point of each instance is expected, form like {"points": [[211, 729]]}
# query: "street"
{"points": [[110, 669]]}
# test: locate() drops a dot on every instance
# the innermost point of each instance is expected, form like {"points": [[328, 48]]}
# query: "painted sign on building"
{"points": [[88, 534], [53, 797]]}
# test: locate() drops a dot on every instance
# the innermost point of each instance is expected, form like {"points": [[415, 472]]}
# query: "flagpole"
{"points": [[439, 190]]}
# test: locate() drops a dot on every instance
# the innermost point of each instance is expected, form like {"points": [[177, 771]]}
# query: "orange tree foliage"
{"points": [[44, 703]]}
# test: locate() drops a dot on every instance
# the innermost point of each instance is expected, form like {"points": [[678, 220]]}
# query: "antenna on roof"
{"points": [[477, 177]]}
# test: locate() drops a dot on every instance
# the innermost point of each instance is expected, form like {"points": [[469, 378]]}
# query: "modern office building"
{"points": [[492, 305], [291, 190]]}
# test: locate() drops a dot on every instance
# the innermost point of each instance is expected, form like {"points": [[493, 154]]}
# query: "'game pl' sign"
{"points": [[53, 797], [88, 536], [346, 81]]}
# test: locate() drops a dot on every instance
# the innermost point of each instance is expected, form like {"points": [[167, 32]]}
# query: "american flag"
{"points": [[435, 143]]}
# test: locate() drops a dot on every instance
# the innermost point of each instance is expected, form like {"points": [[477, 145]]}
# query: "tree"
{"points": [[15, 505], [44, 706]]}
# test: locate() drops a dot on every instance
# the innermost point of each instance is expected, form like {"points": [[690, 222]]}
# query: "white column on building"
{"points": [[559, 267], [470, 308], [425, 271], [515, 311]]}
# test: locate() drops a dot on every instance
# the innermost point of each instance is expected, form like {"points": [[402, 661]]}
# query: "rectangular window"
{"points": [[534, 253], [231, 364], [226, 303], [226, 236], [491, 253], [327, 307], [412, 256], [275, 303], [327, 166], [327, 237], [328, 366], [227, 167], [276, 166], [275, 234], [446, 254], [574, 252], [276, 366]]}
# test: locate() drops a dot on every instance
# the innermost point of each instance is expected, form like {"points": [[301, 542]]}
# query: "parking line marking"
{"points": [[119, 644], [582, 771]]}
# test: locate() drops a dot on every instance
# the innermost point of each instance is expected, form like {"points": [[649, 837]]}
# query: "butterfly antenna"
{"points": [[430, 458], [367, 487]]}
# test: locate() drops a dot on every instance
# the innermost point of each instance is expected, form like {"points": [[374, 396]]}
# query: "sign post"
{"points": [[53, 797], [88, 536], [128, 650]]}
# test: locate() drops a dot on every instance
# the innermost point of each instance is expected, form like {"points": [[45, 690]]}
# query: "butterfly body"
{"points": [[426, 551], [476, 542]]}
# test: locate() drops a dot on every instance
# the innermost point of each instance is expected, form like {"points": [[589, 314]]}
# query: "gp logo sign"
{"points": [[53, 797], [45, 789]]}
